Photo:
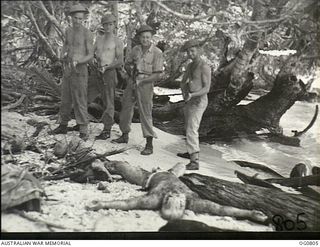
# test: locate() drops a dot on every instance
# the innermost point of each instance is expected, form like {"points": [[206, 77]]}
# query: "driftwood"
{"points": [[167, 194], [254, 181], [257, 167], [313, 120], [297, 181], [268, 200], [267, 183]]}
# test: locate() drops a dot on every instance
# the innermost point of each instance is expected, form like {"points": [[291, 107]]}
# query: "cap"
{"points": [[77, 8], [188, 44], [144, 28], [108, 18]]}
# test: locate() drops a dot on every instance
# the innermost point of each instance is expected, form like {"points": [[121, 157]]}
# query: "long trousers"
{"points": [[74, 93], [143, 96], [108, 93], [193, 112]]}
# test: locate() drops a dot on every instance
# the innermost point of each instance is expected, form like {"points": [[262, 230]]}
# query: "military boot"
{"points": [[61, 129], [84, 136], [149, 147], [194, 162], [122, 139], [104, 135]]}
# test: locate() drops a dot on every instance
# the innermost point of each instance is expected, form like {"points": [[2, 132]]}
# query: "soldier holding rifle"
{"points": [[144, 65], [77, 52]]}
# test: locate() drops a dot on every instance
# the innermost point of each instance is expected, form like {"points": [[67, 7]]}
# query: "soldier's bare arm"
{"points": [[90, 49]]}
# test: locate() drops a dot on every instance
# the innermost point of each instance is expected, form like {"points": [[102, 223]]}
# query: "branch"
{"points": [[52, 19], [180, 15], [18, 49], [200, 18], [41, 35], [14, 105]]}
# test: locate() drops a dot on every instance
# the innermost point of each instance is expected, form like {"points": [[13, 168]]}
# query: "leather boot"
{"points": [[84, 136], [149, 147], [122, 139], [74, 128], [194, 162], [61, 129], [184, 155], [104, 135]]}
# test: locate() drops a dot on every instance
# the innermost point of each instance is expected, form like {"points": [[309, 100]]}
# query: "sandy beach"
{"points": [[65, 205]]}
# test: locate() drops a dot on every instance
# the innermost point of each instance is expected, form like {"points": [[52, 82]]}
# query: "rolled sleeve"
{"points": [[157, 66]]}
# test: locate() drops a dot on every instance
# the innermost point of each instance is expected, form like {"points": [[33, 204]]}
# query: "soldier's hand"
{"points": [[139, 82], [75, 63], [187, 97]]}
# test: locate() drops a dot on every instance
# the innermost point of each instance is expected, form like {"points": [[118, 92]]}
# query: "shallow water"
{"points": [[277, 156]]}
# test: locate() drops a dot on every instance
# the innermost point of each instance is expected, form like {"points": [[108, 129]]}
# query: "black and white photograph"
{"points": [[165, 119]]}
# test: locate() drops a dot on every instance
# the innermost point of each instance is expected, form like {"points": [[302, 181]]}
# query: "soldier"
{"points": [[77, 52], [109, 52], [195, 86], [145, 65]]}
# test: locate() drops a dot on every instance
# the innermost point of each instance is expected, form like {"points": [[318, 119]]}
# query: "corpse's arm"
{"points": [[206, 82]]}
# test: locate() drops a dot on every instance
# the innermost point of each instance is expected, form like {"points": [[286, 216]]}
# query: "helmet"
{"points": [[188, 44], [108, 18], [77, 8], [144, 28]]}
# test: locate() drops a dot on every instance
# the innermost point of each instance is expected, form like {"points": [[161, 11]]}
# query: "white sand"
{"points": [[67, 200]]}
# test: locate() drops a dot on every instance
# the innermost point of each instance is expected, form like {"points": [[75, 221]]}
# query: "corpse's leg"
{"points": [[152, 202], [205, 206]]}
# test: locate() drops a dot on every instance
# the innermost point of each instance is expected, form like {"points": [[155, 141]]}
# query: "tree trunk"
{"points": [[272, 202], [265, 112]]}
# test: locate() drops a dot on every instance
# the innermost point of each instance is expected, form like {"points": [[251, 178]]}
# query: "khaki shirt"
{"points": [[149, 62]]}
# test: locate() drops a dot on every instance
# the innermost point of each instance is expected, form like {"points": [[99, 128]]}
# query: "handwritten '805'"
{"points": [[283, 224]]}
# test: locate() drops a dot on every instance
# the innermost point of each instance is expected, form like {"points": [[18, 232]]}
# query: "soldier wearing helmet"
{"points": [[147, 61], [109, 52], [77, 52], [195, 86]]}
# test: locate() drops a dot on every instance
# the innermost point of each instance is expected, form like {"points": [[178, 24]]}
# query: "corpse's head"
{"points": [[173, 206]]}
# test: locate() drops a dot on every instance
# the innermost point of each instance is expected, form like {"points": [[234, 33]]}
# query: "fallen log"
{"points": [[267, 184], [257, 167], [302, 212], [313, 120], [254, 181], [297, 181]]}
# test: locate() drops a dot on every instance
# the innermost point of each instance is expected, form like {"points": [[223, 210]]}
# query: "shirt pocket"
{"points": [[148, 63]]}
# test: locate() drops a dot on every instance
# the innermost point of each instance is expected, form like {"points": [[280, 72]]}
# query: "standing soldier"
{"points": [[144, 65], [109, 52], [195, 86], [77, 52]]}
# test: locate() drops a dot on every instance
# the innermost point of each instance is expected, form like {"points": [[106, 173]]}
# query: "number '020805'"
{"points": [[283, 224]]}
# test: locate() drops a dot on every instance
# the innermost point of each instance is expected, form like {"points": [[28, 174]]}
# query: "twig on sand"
{"points": [[49, 225], [14, 105]]}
